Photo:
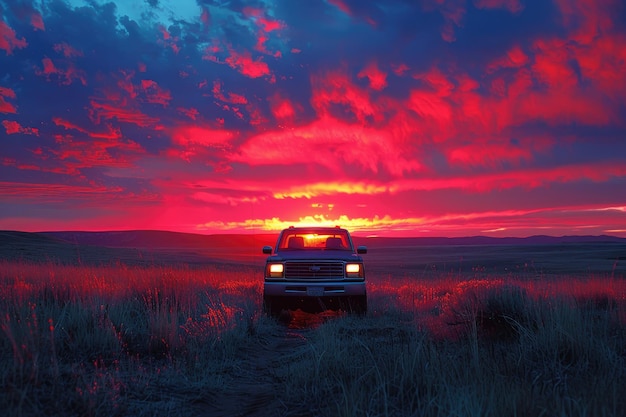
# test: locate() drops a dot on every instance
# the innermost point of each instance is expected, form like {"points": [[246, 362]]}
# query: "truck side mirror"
{"points": [[267, 250], [361, 249]]}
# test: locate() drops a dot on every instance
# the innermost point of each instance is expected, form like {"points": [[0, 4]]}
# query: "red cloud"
{"points": [[107, 149], [515, 58], [255, 115], [125, 84], [55, 192], [550, 87], [155, 94], [334, 88], [514, 6], [8, 40], [564, 108], [436, 81], [207, 137], [551, 84], [431, 106], [587, 19], [525, 178], [192, 113], [595, 43], [270, 25], [433, 102], [121, 103], [326, 141], [167, 40], [37, 21], [78, 155], [48, 66], [67, 50], [266, 24], [197, 140], [399, 69], [488, 154], [205, 17], [604, 65], [282, 108], [552, 64], [376, 77], [72, 155], [65, 77], [106, 111], [452, 11], [6, 107], [13, 127], [111, 133], [246, 65], [232, 98], [341, 5]]}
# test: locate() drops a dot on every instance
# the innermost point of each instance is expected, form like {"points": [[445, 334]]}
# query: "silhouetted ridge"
{"points": [[483, 240], [161, 239]]}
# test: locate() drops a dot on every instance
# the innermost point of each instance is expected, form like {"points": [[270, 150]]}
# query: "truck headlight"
{"points": [[275, 270], [354, 270]]}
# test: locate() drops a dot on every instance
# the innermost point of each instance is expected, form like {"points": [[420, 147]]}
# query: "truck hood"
{"points": [[322, 255]]}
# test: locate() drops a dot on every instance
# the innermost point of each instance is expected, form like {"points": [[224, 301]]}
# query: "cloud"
{"points": [[9, 40], [331, 144], [513, 6], [37, 21], [67, 50], [51, 192], [206, 137], [453, 13], [376, 77], [155, 94], [232, 98], [64, 76], [6, 107], [246, 65], [12, 127]]}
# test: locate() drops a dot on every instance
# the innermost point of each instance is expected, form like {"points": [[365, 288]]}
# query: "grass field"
{"points": [[174, 341]]}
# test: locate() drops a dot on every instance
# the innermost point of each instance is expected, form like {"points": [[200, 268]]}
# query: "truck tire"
{"points": [[272, 306]]}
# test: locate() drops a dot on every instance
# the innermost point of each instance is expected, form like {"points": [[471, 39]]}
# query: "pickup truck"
{"points": [[314, 269]]}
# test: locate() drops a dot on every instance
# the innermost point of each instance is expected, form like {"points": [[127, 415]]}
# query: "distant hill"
{"points": [[132, 247], [165, 239], [161, 239], [484, 240]]}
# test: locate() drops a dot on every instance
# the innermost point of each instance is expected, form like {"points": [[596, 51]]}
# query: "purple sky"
{"points": [[388, 117]]}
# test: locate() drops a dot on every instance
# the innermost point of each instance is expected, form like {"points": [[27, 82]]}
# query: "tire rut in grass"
{"points": [[254, 390]]}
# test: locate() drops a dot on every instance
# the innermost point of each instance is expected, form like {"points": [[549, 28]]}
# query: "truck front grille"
{"points": [[314, 270]]}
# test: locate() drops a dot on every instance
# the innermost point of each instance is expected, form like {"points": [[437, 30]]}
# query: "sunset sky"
{"points": [[387, 117]]}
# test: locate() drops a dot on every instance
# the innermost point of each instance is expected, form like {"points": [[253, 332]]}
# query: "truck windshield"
{"points": [[315, 239]]}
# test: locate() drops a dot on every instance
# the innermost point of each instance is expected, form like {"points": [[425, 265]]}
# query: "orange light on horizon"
{"points": [[510, 223]]}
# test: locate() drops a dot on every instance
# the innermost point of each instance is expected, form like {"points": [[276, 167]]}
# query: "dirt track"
{"points": [[253, 393]]}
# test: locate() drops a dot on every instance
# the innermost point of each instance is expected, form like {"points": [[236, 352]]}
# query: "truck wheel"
{"points": [[272, 306]]}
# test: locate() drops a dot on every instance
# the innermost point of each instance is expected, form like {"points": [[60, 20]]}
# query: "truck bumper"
{"points": [[313, 289]]}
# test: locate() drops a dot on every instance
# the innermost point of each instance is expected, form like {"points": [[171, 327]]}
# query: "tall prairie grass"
{"points": [[170, 341], [79, 340]]}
